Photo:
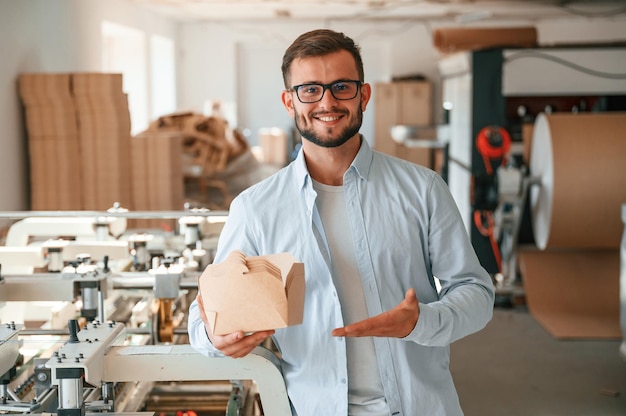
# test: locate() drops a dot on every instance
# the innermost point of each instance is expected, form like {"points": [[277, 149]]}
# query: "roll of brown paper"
{"points": [[468, 39], [580, 161]]}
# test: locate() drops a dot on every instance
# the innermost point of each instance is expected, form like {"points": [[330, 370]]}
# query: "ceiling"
{"points": [[461, 11]]}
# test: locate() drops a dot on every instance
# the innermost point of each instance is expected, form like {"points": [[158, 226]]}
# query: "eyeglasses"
{"points": [[341, 90]]}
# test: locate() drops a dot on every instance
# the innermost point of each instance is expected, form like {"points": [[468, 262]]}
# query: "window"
{"points": [[124, 51], [163, 76]]}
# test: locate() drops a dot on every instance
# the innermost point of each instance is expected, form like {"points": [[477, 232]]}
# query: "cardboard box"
{"points": [[273, 142], [253, 293], [404, 103]]}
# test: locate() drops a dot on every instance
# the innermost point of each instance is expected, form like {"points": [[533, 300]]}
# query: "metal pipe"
{"points": [[101, 306], [64, 332], [129, 214]]}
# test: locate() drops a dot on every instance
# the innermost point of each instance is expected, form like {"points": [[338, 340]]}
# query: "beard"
{"points": [[331, 141]]}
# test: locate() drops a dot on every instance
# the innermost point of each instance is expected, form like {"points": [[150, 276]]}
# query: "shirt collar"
{"points": [[361, 164], [363, 160]]}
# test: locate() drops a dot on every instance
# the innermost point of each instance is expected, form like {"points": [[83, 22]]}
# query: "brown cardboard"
{"points": [[573, 294], [468, 39], [48, 89], [572, 287], [387, 108], [417, 155], [415, 103], [273, 142], [403, 103], [85, 121], [253, 293]]}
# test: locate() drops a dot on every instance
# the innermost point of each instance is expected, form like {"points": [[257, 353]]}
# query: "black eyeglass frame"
{"points": [[327, 87]]}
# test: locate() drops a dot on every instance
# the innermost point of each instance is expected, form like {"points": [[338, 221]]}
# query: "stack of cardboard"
{"points": [[208, 145], [407, 103], [52, 141], [158, 183], [104, 135], [78, 139]]}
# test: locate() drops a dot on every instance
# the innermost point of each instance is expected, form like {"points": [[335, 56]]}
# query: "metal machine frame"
{"points": [[622, 280], [86, 372]]}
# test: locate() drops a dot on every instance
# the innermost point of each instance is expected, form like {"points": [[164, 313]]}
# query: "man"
{"points": [[373, 233]]}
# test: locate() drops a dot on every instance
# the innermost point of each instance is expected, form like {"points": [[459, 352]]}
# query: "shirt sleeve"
{"points": [[198, 337], [232, 237], [466, 299]]}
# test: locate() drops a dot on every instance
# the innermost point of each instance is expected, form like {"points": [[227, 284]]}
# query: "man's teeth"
{"points": [[329, 118]]}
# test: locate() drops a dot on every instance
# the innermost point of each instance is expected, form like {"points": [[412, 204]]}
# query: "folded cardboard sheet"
{"points": [[574, 294], [253, 293]]}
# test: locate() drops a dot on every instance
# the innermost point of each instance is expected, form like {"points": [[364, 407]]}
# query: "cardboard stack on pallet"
{"points": [[78, 128], [52, 141], [157, 172], [104, 135]]}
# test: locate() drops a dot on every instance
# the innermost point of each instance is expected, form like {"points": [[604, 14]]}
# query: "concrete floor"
{"points": [[514, 367]]}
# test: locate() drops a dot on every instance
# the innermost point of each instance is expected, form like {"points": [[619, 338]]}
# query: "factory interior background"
{"points": [[174, 109]]}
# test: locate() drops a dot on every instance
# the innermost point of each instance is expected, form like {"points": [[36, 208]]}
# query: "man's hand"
{"points": [[395, 323], [237, 344]]}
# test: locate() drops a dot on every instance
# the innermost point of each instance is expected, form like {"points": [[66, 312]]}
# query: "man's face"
{"points": [[329, 122]]}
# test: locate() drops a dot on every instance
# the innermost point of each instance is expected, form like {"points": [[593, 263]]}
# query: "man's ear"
{"points": [[366, 94], [287, 99]]}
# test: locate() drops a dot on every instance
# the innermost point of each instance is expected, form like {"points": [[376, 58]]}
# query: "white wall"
{"points": [[64, 35], [220, 59], [51, 36]]}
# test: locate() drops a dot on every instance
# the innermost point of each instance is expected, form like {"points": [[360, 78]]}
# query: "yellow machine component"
{"points": [[163, 320]]}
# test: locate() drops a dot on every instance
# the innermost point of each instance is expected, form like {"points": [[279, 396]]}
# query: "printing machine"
{"points": [[104, 320]]}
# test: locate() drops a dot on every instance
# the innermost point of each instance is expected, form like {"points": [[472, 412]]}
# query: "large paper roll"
{"points": [[580, 161]]}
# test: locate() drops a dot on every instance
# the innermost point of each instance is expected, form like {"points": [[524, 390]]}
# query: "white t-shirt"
{"points": [[365, 391]]}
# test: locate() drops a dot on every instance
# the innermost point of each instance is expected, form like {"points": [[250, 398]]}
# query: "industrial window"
{"points": [[124, 51], [163, 76]]}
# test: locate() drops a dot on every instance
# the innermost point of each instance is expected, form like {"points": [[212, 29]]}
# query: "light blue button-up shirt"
{"points": [[406, 230]]}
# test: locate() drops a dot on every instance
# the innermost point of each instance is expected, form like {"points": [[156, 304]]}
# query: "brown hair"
{"points": [[320, 42]]}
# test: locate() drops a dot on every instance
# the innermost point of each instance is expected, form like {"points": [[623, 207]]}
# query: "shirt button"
{"points": [[342, 381]]}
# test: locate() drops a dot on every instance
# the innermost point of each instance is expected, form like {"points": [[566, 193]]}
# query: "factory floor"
{"points": [[514, 367]]}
